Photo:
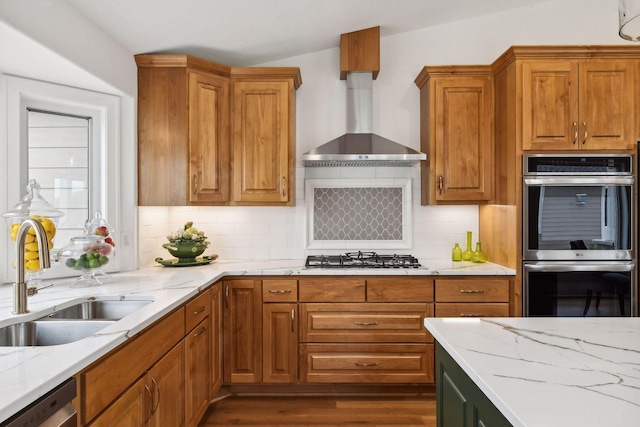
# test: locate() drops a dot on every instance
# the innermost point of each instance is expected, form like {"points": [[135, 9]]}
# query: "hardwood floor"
{"points": [[323, 411]]}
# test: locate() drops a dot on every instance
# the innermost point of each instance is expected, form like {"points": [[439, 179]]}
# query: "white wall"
{"points": [[279, 232]]}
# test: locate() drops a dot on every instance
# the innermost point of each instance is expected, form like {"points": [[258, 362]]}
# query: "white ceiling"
{"points": [[249, 32]]}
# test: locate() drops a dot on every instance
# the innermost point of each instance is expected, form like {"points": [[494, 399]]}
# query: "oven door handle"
{"points": [[579, 180], [580, 266]]}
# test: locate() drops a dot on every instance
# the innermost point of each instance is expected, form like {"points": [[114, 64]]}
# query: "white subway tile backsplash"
{"points": [[279, 232]]}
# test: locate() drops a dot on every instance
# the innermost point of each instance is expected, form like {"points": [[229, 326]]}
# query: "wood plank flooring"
{"points": [[314, 411]]}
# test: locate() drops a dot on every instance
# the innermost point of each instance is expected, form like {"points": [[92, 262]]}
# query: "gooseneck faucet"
{"points": [[20, 286]]}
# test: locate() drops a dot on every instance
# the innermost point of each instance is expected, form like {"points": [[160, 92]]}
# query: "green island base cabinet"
{"points": [[459, 401]]}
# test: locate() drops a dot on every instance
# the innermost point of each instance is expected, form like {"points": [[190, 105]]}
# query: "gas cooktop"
{"points": [[362, 260]]}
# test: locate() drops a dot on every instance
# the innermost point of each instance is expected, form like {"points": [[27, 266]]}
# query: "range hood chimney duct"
{"points": [[359, 65]]}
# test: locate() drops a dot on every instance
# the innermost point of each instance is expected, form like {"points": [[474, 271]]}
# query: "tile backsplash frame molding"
{"points": [[404, 184]]}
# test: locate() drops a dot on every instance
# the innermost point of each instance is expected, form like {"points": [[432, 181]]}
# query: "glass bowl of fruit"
{"points": [[87, 255]]}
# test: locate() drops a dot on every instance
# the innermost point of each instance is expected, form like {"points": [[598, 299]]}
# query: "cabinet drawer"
{"points": [[332, 290], [400, 289], [366, 363], [472, 310], [279, 290], [371, 322], [475, 290], [197, 309]]}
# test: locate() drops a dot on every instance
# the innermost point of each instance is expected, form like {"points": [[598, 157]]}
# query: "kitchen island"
{"points": [[547, 372], [26, 373]]}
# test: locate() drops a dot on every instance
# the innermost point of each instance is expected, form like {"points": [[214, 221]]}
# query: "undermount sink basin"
{"points": [[80, 320], [46, 332], [100, 309]]}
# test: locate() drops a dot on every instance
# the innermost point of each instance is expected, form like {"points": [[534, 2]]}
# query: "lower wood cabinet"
{"points": [[459, 401], [242, 331], [280, 343], [198, 359], [156, 399]]}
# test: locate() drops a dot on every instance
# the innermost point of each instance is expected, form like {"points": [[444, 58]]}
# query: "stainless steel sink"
{"points": [[47, 332], [79, 320], [100, 309]]}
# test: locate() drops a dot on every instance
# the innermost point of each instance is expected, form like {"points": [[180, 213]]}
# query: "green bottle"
{"points": [[478, 255], [456, 253], [468, 253]]}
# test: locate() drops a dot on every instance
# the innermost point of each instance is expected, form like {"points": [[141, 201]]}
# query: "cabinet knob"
{"points": [[284, 185], [471, 291], [575, 132], [195, 184], [146, 387], [584, 125], [279, 291], [366, 364], [440, 184]]}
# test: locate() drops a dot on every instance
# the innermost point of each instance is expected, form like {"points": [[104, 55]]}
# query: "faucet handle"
{"points": [[34, 290]]}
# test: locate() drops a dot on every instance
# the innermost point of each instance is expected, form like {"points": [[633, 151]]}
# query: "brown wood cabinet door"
{"points": [[197, 371], [242, 331], [263, 141], [209, 166], [216, 339], [166, 379], [132, 409], [606, 105], [463, 140], [162, 137], [280, 343], [550, 105]]}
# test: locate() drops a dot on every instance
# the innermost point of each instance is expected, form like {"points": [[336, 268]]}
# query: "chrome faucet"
{"points": [[20, 291]]}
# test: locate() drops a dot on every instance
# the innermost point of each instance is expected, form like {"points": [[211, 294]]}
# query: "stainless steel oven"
{"points": [[575, 289], [578, 235], [578, 207]]}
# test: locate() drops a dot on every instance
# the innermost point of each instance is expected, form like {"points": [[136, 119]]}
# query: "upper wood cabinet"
{"points": [[209, 134], [263, 141], [578, 105], [456, 132]]}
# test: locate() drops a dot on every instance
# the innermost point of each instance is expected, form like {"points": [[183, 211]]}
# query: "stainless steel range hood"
{"points": [[360, 146]]}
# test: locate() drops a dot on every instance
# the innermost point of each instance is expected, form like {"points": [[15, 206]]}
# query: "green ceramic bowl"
{"points": [[186, 251]]}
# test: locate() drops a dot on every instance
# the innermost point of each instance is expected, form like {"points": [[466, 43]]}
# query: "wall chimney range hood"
{"points": [[360, 61]]}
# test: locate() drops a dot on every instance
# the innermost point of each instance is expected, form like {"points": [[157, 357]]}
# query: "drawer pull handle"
{"points": [[472, 315], [366, 365], [366, 323], [279, 291], [200, 332], [293, 318], [472, 291], [198, 311]]}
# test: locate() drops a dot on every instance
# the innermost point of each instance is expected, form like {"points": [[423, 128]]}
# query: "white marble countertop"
{"points": [[26, 373], [548, 372]]}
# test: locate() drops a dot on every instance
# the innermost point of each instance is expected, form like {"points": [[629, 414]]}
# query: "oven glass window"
{"points": [[578, 293], [579, 217]]}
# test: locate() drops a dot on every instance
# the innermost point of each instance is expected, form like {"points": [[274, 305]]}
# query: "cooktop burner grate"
{"points": [[362, 260]]}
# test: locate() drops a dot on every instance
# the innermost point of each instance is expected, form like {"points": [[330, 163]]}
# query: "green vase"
{"points": [[478, 255], [468, 253], [456, 253]]}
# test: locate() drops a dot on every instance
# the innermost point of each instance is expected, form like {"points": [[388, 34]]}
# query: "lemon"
{"points": [[50, 243], [30, 255], [48, 225], [29, 238], [14, 236], [33, 246], [33, 264], [14, 227], [31, 231]]}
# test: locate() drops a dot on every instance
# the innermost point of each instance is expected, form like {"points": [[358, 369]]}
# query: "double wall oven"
{"points": [[578, 235]]}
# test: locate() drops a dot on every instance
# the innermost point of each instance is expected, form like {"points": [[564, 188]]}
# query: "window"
{"points": [[67, 139]]}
